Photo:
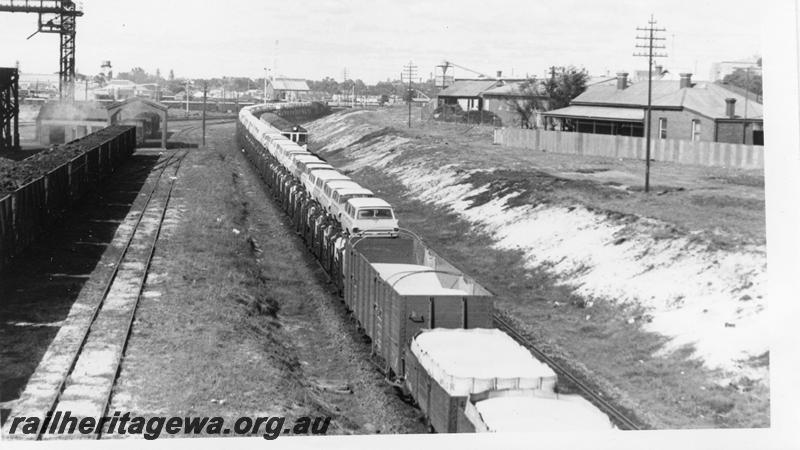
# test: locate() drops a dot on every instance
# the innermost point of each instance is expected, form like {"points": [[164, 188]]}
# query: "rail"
{"points": [[620, 419], [49, 403]]}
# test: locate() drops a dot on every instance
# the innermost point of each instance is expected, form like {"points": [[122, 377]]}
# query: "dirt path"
{"points": [[237, 320]]}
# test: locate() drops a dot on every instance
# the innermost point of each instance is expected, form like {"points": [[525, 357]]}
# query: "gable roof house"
{"points": [[501, 102], [491, 99], [681, 109], [466, 93], [287, 89]]}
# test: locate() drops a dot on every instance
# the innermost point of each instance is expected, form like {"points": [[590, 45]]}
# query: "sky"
{"points": [[374, 39]]}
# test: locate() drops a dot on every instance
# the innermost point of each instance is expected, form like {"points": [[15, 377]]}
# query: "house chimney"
{"points": [[730, 107], [499, 74], [622, 80], [686, 80]]}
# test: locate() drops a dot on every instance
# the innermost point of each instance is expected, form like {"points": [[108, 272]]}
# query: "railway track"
{"points": [[78, 372], [620, 419], [185, 131]]}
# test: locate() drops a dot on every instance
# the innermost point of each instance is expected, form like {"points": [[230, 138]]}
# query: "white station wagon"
{"points": [[298, 161], [369, 216], [339, 197], [316, 179], [328, 187]]}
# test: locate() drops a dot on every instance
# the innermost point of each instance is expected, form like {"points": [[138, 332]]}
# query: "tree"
{"points": [[562, 87], [361, 88], [346, 86], [741, 79], [171, 75], [528, 103], [327, 85], [137, 75]]}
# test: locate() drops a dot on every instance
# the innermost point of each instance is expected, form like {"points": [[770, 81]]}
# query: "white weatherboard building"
{"points": [[287, 89]]}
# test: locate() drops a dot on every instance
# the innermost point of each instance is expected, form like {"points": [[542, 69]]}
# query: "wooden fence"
{"points": [[27, 211], [680, 151]]}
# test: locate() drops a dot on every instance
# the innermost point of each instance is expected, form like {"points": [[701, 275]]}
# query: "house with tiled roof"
{"points": [[681, 109]]}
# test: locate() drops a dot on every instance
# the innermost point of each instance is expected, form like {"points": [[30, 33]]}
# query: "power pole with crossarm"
{"points": [[410, 71], [651, 43]]}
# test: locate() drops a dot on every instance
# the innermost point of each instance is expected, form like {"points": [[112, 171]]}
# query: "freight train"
{"points": [[430, 324]]}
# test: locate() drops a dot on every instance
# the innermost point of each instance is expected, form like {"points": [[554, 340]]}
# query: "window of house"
{"points": [[662, 127], [695, 130]]}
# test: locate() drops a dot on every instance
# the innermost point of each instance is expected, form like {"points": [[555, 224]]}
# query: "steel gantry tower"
{"points": [[9, 108], [55, 16]]}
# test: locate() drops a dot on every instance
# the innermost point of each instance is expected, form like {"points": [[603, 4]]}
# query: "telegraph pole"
{"points": [[652, 45], [344, 80], [205, 96], [266, 75], [409, 71], [552, 72], [187, 97]]}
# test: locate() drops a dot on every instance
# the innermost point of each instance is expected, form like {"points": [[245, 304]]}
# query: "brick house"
{"points": [[681, 109]]}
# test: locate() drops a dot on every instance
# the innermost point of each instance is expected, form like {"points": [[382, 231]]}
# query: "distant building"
{"points": [[659, 73], [287, 89], [146, 90], [723, 68], [60, 122], [116, 90], [500, 103], [146, 115], [697, 111], [41, 85], [467, 93], [492, 101]]}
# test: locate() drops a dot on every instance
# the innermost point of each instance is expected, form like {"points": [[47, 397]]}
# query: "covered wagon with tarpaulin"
{"points": [[398, 286]]}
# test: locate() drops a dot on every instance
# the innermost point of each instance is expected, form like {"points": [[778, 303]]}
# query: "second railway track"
{"points": [[78, 372], [621, 419]]}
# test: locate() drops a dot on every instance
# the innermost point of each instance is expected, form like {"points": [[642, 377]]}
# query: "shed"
{"points": [[287, 89], [145, 114], [61, 122]]}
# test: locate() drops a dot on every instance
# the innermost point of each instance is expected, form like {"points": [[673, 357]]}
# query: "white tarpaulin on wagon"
{"points": [[469, 361], [529, 413]]}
